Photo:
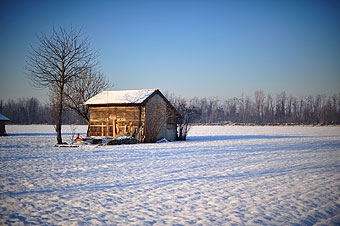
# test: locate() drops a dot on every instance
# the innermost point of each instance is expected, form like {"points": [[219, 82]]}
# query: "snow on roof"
{"points": [[121, 97], [3, 118]]}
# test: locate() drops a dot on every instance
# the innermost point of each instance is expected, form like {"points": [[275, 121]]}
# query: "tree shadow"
{"points": [[238, 137]]}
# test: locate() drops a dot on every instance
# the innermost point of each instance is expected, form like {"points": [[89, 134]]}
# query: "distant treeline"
{"points": [[258, 109], [25, 111], [266, 109]]}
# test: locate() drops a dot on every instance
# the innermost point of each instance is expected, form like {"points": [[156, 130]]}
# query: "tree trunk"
{"points": [[59, 115], [88, 129]]}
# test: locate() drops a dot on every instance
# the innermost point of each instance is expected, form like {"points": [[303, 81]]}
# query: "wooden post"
{"points": [[130, 129], [117, 127], [114, 134], [125, 129], [107, 128], [102, 129]]}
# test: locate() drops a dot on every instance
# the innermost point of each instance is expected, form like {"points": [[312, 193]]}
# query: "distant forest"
{"points": [[262, 109], [259, 109], [26, 111]]}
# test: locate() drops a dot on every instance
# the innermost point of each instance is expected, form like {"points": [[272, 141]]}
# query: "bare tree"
{"points": [[281, 100], [79, 90], [32, 106], [188, 113], [60, 59], [269, 109], [259, 102]]}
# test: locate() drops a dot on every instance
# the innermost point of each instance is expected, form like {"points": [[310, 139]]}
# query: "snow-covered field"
{"points": [[220, 176]]}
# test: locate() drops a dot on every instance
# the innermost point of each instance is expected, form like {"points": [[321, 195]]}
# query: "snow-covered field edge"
{"points": [[222, 175]]}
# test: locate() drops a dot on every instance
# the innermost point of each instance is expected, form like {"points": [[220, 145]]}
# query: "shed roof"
{"points": [[3, 118], [121, 97]]}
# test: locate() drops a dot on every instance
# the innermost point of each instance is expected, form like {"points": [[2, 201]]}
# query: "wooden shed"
{"points": [[144, 114], [3, 120]]}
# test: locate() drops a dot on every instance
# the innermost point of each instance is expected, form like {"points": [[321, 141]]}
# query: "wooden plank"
{"points": [[114, 128]]}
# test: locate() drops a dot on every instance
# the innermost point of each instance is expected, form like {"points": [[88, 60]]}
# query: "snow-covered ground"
{"points": [[220, 176]]}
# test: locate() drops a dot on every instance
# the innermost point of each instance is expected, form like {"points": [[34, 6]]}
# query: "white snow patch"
{"points": [[121, 97], [220, 176]]}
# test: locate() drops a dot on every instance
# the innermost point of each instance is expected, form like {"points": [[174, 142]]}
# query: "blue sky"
{"points": [[189, 48]]}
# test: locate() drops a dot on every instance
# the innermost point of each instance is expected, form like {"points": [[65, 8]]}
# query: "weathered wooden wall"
{"points": [[116, 121], [155, 117], [147, 123], [161, 121]]}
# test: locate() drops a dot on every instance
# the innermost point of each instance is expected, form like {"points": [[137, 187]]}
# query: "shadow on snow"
{"points": [[238, 137], [233, 176]]}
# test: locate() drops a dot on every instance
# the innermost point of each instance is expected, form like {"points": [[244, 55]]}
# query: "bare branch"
{"points": [[58, 62]]}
